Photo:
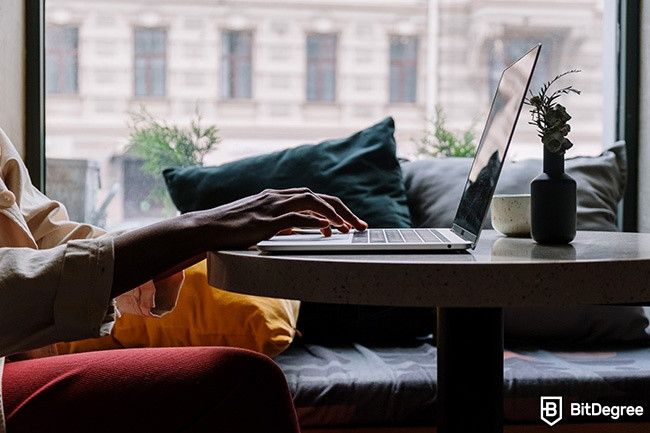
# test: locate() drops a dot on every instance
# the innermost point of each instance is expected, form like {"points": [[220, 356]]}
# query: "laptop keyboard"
{"points": [[399, 236]]}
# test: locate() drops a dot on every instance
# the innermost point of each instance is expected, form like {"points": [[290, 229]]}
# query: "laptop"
{"points": [[477, 195]]}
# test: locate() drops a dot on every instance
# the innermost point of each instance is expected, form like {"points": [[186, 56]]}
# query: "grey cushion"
{"points": [[434, 188], [357, 385]]}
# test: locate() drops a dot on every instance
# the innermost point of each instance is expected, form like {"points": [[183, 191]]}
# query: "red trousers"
{"points": [[194, 389]]}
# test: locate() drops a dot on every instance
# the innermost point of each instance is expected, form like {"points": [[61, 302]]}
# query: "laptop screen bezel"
{"points": [[464, 233]]}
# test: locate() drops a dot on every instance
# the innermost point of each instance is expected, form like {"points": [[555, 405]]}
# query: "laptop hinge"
{"points": [[465, 234]]}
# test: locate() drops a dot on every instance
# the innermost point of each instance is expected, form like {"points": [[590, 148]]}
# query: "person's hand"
{"points": [[168, 246], [245, 222]]}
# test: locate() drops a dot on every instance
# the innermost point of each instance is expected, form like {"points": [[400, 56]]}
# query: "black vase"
{"points": [[553, 203]]}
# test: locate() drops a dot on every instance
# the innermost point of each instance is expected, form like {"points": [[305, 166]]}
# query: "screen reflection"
{"points": [[494, 143]]}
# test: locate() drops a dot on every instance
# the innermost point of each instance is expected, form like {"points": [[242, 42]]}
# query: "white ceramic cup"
{"points": [[511, 214]]}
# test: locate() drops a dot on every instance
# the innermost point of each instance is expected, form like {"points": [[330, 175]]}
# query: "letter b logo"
{"points": [[550, 410]]}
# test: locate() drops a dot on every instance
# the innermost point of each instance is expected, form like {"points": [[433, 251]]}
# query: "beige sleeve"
{"points": [[49, 223], [58, 294], [46, 219]]}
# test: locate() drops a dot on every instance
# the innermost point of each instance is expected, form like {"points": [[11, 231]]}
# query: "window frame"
{"points": [[627, 100], [35, 91], [628, 105]]}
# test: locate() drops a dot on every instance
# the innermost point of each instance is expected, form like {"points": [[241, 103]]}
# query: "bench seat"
{"points": [[355, 385]]}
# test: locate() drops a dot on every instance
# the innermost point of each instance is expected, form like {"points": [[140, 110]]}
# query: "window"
{"points": [[321, 68], [349, 71], [403, 69], [236, 64], [150, 48], [62, 48]]}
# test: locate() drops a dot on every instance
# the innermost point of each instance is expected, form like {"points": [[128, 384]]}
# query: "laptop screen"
{"points": [[492, 147]]}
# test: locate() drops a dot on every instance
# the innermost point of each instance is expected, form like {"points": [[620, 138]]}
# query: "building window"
{"points": [[237, 64], [403, 69], [150, 47], [321, 67], [506, 51], [62, 58]]}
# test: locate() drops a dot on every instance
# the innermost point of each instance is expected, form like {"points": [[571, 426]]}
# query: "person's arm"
{"points": [[168, 246], [64, 293]]}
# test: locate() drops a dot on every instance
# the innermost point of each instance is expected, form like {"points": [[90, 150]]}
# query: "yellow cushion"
{"points": [[204, 316]]}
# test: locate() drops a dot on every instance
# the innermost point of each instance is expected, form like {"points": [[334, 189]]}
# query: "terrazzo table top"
{"points": [[596, 268]]}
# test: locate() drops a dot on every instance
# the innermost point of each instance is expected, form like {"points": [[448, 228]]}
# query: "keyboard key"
{"points": [[428, 236], [394, 237], [360, 237], [410, 236], [377, 237]]}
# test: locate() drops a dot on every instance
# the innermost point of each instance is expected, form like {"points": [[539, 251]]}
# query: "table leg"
{"points": [[470, 370]]}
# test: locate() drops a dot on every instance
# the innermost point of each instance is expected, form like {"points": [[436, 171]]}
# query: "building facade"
{"points": [[276, 74]]}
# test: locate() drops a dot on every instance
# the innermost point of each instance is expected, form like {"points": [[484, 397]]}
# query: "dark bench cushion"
{"points": [[356, 385]]}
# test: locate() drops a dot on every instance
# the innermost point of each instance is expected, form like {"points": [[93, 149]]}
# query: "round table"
{"points": [[469, 290]]}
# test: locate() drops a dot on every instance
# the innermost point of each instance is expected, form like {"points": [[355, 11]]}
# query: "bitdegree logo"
{"points": [[551, 410], [597, 409]]}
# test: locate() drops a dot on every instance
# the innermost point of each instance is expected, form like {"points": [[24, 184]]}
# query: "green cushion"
{"points": [[362, 170]]}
